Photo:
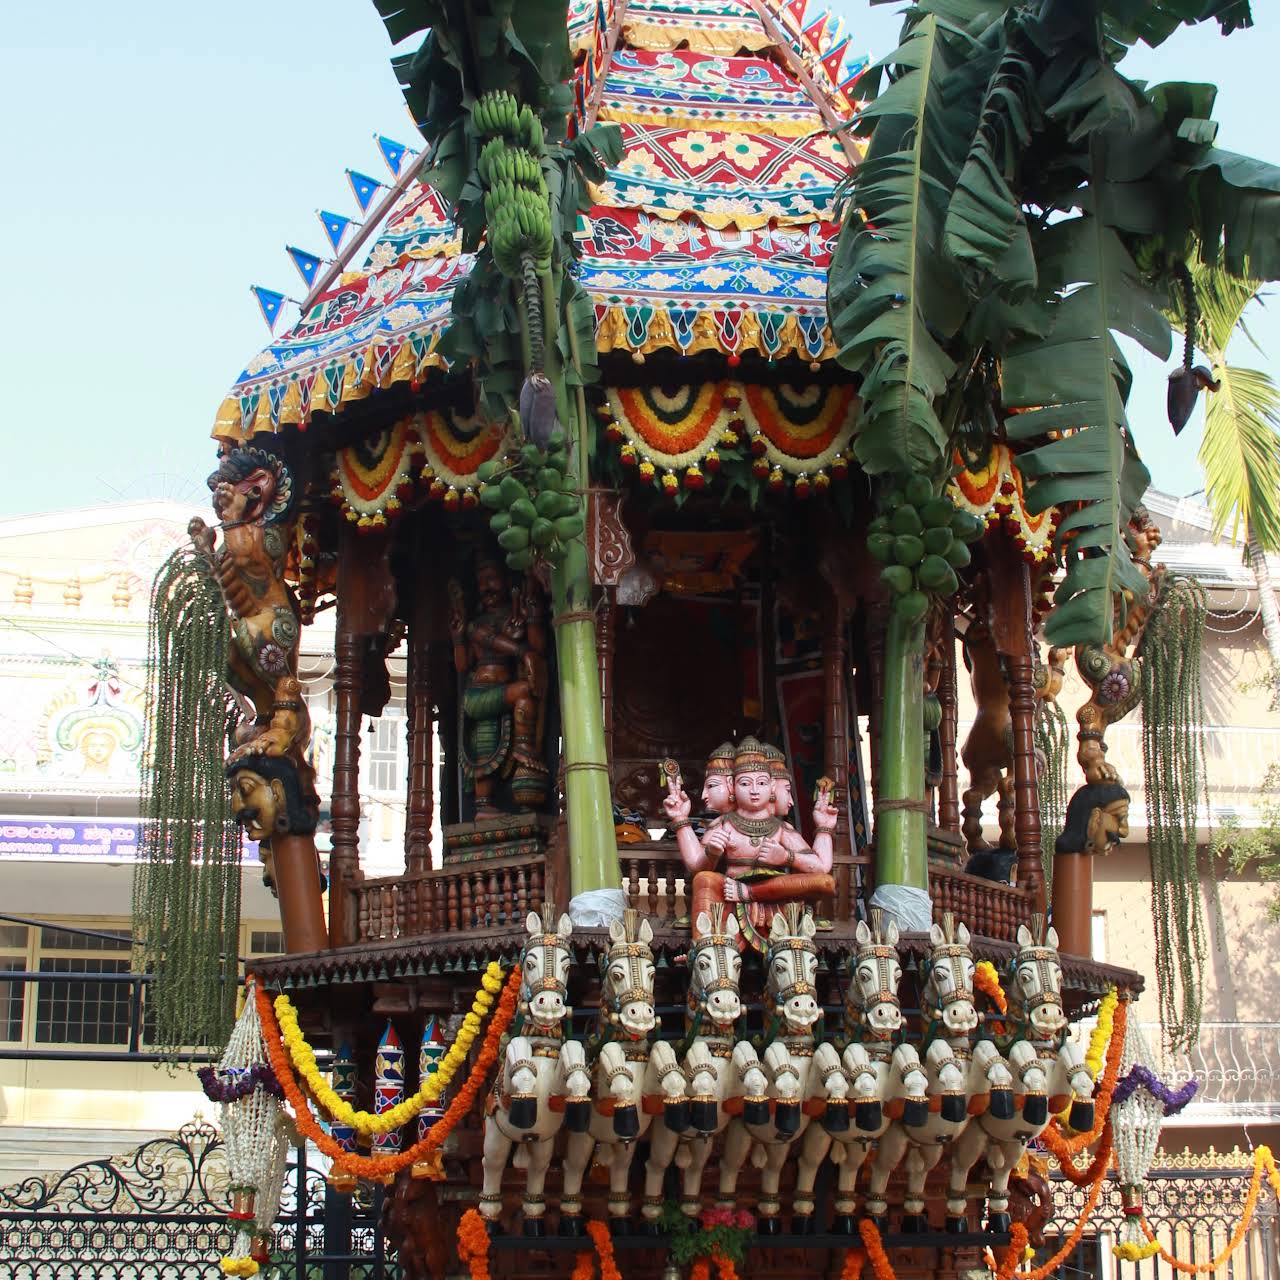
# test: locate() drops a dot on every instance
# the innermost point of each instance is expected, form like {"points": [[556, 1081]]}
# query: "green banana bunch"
{"points": [[921, 539], [535, 513], [497, 114]]}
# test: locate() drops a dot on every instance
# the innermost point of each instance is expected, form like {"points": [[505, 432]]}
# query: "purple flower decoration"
{"points": [[238, 1082], [1142, 1077], [273, 659], [1114, 687]]}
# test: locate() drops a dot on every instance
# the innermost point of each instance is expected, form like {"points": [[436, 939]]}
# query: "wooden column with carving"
{"points": [[417, 851], [1011, 626], [835, 718], [949, 789], [344, 805]]}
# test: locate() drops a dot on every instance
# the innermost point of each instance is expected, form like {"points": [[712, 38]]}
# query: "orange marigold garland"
{"points": [[1013, 1254], [1062, 1148], [854, 1261], [1262, 1160], [880, 1263], [379, 1168], [603, 1242], [473, 1245], [584, 1266]]}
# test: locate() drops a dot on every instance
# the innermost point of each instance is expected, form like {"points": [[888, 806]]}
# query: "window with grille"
{"points": [[388, 755], [83, 1011], [266, 942], [13, 959]]}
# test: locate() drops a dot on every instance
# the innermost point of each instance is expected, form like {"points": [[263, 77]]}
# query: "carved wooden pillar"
{"points": [[417, 851], [366, 599], [1011, 626], [835, 719], [344, 805], [949, 789]]}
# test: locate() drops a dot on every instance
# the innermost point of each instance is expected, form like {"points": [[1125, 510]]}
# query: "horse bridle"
{"points": [[628, 951], [717, 943], [549, 944], [963, 988], [1045, 959], [799, 986], [879, 952]]}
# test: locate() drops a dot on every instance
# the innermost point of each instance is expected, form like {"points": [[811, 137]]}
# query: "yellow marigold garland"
{"points": [[364, 1122], [1101, 1036], [238, 1266]]}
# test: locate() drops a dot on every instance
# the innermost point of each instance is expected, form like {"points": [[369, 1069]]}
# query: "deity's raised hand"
{"points": [[676, 805]]}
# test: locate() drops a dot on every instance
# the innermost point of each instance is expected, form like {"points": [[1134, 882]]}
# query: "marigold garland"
{"points": [[379, 1168], [584, 1266], [871, 1241], [1262, 1161], [304, 1062], [854, 1261], [1013, 1254], [603, 1241], [986, 980], [1063, 1148], [1102, 1033], [238, 1266], [473, 1245], [1069, 1244]]}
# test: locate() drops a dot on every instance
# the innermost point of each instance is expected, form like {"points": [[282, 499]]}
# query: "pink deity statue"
{"points": [[751, 854]]}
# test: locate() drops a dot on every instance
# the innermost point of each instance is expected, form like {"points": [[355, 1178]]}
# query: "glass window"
{"points": [[388, 753], [266, 942], [52, 939], [13, 937], [12, 994], [83, 1012]]}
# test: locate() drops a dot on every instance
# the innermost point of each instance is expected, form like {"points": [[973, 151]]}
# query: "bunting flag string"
{"points": [[392, 152], [270, 302], [364, 188], [833, 59], [307, 263], [335, 226]]}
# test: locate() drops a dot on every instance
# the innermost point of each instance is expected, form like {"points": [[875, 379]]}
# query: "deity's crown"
{"points": [[777, 761], [721, 759], [751, 757]]}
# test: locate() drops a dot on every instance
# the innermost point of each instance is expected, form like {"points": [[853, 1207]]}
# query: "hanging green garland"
{"points": [[1053, 744], [186, 904], [1174, 772]]}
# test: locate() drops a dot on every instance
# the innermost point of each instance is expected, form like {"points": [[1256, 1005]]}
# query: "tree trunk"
{"points": [[1270, 614], [900, 819]]}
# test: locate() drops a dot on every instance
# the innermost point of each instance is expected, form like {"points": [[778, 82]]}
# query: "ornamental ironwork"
{"points": [[158, 1212]]}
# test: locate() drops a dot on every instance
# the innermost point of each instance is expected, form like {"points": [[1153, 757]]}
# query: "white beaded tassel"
{"points": [[1135, 1129], [248, 1128]]}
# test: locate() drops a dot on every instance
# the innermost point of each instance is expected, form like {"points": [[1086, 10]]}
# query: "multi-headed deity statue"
{"points": [[501, 655], [750, 854]]}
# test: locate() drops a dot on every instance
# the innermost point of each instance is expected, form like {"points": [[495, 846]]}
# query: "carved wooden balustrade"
{"points": [[481, 896], [464, 897]]}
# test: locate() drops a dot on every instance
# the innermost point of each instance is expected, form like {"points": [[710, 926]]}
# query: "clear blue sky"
{"points": [[158, 158]]}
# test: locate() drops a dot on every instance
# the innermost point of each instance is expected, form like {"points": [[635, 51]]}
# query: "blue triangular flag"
{"points": [[392, 152], [335, 226], [364, 187], [307, 263], [270, 303]]}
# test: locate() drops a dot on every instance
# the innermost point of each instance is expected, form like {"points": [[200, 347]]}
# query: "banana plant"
{"points": [[1020, 205], [488, 89]]}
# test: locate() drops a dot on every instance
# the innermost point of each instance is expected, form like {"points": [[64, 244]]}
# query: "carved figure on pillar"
{"points": [[501, 655], [254, 500], [750, 855]]}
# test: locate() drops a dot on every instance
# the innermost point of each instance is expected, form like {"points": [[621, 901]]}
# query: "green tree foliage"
{"points": [[1022, 204]]}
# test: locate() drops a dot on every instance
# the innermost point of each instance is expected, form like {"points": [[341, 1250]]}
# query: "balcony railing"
{"points": [[1236, 1065]]}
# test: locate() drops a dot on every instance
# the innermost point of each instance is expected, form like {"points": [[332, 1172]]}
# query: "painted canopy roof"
{"points": [[713, 233]]}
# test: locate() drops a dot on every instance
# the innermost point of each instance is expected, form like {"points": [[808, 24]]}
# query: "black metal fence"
{"points": [[159, 1213]]}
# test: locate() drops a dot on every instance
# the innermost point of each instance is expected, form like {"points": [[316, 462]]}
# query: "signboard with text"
{"points": [[79, 839]]}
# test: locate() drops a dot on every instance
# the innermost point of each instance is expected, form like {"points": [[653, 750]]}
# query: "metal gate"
{"points": [[159, 1213]]}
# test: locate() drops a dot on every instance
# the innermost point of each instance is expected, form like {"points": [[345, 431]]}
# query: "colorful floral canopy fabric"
{"points": [[714, 232]]}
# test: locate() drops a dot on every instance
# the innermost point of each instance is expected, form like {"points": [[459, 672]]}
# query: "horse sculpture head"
{"points": [[875, 974], [626, 998], [1035, 995], [948, 988], [544, 964], [715, 969], [791, 967]]}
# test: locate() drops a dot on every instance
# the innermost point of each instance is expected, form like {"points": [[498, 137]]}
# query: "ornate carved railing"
{"points": [[470, 897], [480, 896], [1236, 1064], [989, 909]]}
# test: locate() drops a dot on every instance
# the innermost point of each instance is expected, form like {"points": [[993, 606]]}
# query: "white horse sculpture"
{"points": [[537, 1064], [888, 1083], [718, 1069], [807, 1078], [960, 1078], [629, 1070], [1049, 1070]]}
